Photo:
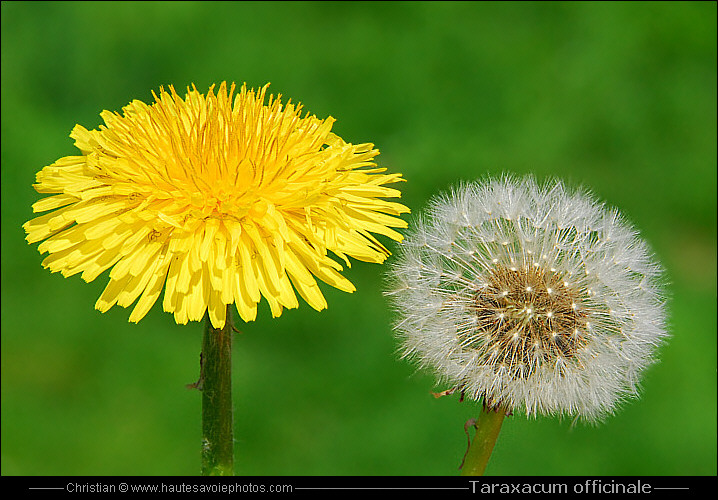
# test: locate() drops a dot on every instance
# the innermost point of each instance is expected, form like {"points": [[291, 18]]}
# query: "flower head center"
{"points": [[527, 318]]}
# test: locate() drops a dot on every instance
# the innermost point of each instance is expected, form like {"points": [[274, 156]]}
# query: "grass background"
{"points": [[620, 97]]}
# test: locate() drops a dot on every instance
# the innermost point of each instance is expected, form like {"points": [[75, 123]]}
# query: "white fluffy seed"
{"points": [[455, 325]]}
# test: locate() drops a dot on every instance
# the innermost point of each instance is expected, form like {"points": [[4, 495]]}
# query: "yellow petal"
{"points": [[152, 290], [311, 294], [217, 310]]}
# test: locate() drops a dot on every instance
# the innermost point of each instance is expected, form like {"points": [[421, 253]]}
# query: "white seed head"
{"points": [[569, 334]]}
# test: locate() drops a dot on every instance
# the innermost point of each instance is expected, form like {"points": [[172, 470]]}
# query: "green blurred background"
{"points": [[618, 97]]}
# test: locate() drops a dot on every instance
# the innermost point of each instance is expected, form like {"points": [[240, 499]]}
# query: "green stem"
{"points": [[488, 426], [216, 385]]}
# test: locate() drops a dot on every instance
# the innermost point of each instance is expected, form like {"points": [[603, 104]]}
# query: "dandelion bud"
{"points": [[529, 296]]}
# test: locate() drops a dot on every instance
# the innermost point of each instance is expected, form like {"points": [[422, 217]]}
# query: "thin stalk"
{"points": [[488, 426], [216, 385]]}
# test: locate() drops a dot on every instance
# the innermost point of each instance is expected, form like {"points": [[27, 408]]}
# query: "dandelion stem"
{"points": [[488, 426], [216, 385]]}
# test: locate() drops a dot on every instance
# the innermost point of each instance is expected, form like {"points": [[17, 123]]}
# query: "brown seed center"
{"points": [[527, 317]]}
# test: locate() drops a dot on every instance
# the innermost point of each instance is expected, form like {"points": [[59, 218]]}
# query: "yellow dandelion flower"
{"points": [[218, 199]]}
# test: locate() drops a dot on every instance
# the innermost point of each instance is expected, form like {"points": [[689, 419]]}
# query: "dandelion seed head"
{"points": [[539, 316], [216, 199]]}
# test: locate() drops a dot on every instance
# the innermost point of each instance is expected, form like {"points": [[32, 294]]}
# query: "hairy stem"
{"points": [[488, 426], [216, 385]]}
